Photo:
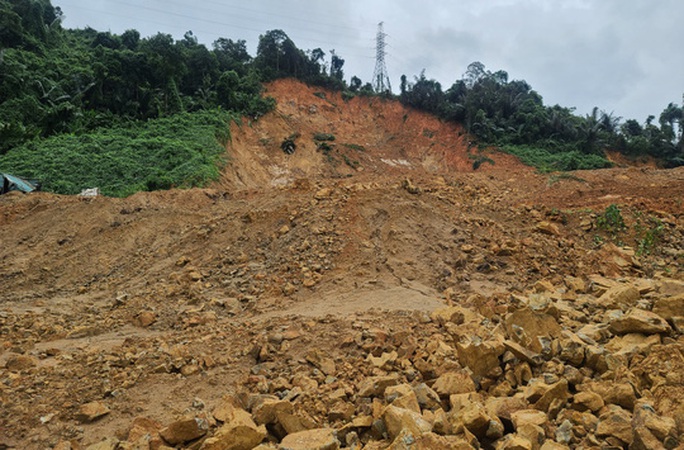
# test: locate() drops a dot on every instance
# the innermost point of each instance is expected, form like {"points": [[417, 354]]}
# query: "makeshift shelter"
{"points": [[12, 183]]}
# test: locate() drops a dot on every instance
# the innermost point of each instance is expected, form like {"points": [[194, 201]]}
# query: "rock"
{"points": [[526, 327], [239, 433], [398, 419], [469, 415], [184, 430], [514, 442], [557, 392], [386, 360], [639, 321], [427, 397], [669, 307], [294, 422], [402, 396], [142, 427], [317, 439], [661, 427], [344, 411], [323, 194], [587, 401], [504, 407], [457, 382], [225, 410], [92, 411], [633, 343], [17, 363], [643, 439], [534, 433], [322, 361], [481, 357], [572, 348], [144, 319], [575, 284], [106, 444], [429, 441], [267, 411], [617, 423], [375, 386], [548, 228], [456, 315], [620, 297], [524, 354], [529, 417]]}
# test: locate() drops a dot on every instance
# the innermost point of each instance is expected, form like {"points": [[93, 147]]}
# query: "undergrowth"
{"points": [[546, 161], [180, 151]]}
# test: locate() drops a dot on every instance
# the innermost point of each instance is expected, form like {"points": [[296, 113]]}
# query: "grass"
{"points": [[181, 151]]}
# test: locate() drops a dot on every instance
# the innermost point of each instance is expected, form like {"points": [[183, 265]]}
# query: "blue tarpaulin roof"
{"points": [[12, 183]]}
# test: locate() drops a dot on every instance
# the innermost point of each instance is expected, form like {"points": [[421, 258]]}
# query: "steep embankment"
{"points": [[373, 137], [304, 288]]}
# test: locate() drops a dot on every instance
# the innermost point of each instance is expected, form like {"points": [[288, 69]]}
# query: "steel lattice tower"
{"points": [[381, 82]]}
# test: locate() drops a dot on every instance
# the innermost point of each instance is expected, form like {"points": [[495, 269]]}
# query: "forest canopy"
{"points": [[69, 95]]}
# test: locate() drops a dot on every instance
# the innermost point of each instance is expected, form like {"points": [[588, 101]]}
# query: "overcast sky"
{"points": [[624, 56]]}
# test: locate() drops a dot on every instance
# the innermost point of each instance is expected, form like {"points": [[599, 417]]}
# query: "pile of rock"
{"points": [[593, 365]]}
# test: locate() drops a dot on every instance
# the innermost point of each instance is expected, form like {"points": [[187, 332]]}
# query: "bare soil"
{"points": [[154, 304]]}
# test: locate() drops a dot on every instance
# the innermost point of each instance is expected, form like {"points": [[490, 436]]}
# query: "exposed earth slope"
{"points": [[309, 291]]}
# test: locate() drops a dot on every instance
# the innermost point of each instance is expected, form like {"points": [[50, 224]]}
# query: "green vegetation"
{"points": [[646, 232], [611, 220], [86, 108], [512, 116], [320, 137], [546, 161], [180, 151]]}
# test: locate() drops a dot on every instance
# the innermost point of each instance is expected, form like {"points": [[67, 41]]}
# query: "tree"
{"points": [[336, 64]]}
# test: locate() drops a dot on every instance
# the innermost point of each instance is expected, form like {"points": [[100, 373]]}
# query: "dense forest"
{"points": [[84, 108]]}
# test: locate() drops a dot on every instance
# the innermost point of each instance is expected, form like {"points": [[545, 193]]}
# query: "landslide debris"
{"points": [[401, 307]]}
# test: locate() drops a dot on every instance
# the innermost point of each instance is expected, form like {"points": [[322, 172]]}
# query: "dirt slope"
{"points": [[293, 272]]}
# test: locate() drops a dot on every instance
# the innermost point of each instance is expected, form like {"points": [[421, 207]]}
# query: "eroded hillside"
{"points": [[378, 291]]}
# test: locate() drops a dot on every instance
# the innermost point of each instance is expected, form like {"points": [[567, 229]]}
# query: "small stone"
{"points": [[316, 439], [92, 411]]}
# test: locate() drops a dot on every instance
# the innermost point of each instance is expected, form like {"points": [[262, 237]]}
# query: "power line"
{"points": [[311, 32]]}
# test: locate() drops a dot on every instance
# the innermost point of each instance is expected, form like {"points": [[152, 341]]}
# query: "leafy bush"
{"points": [[611, 220], [180, 151], [546, 161]]}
